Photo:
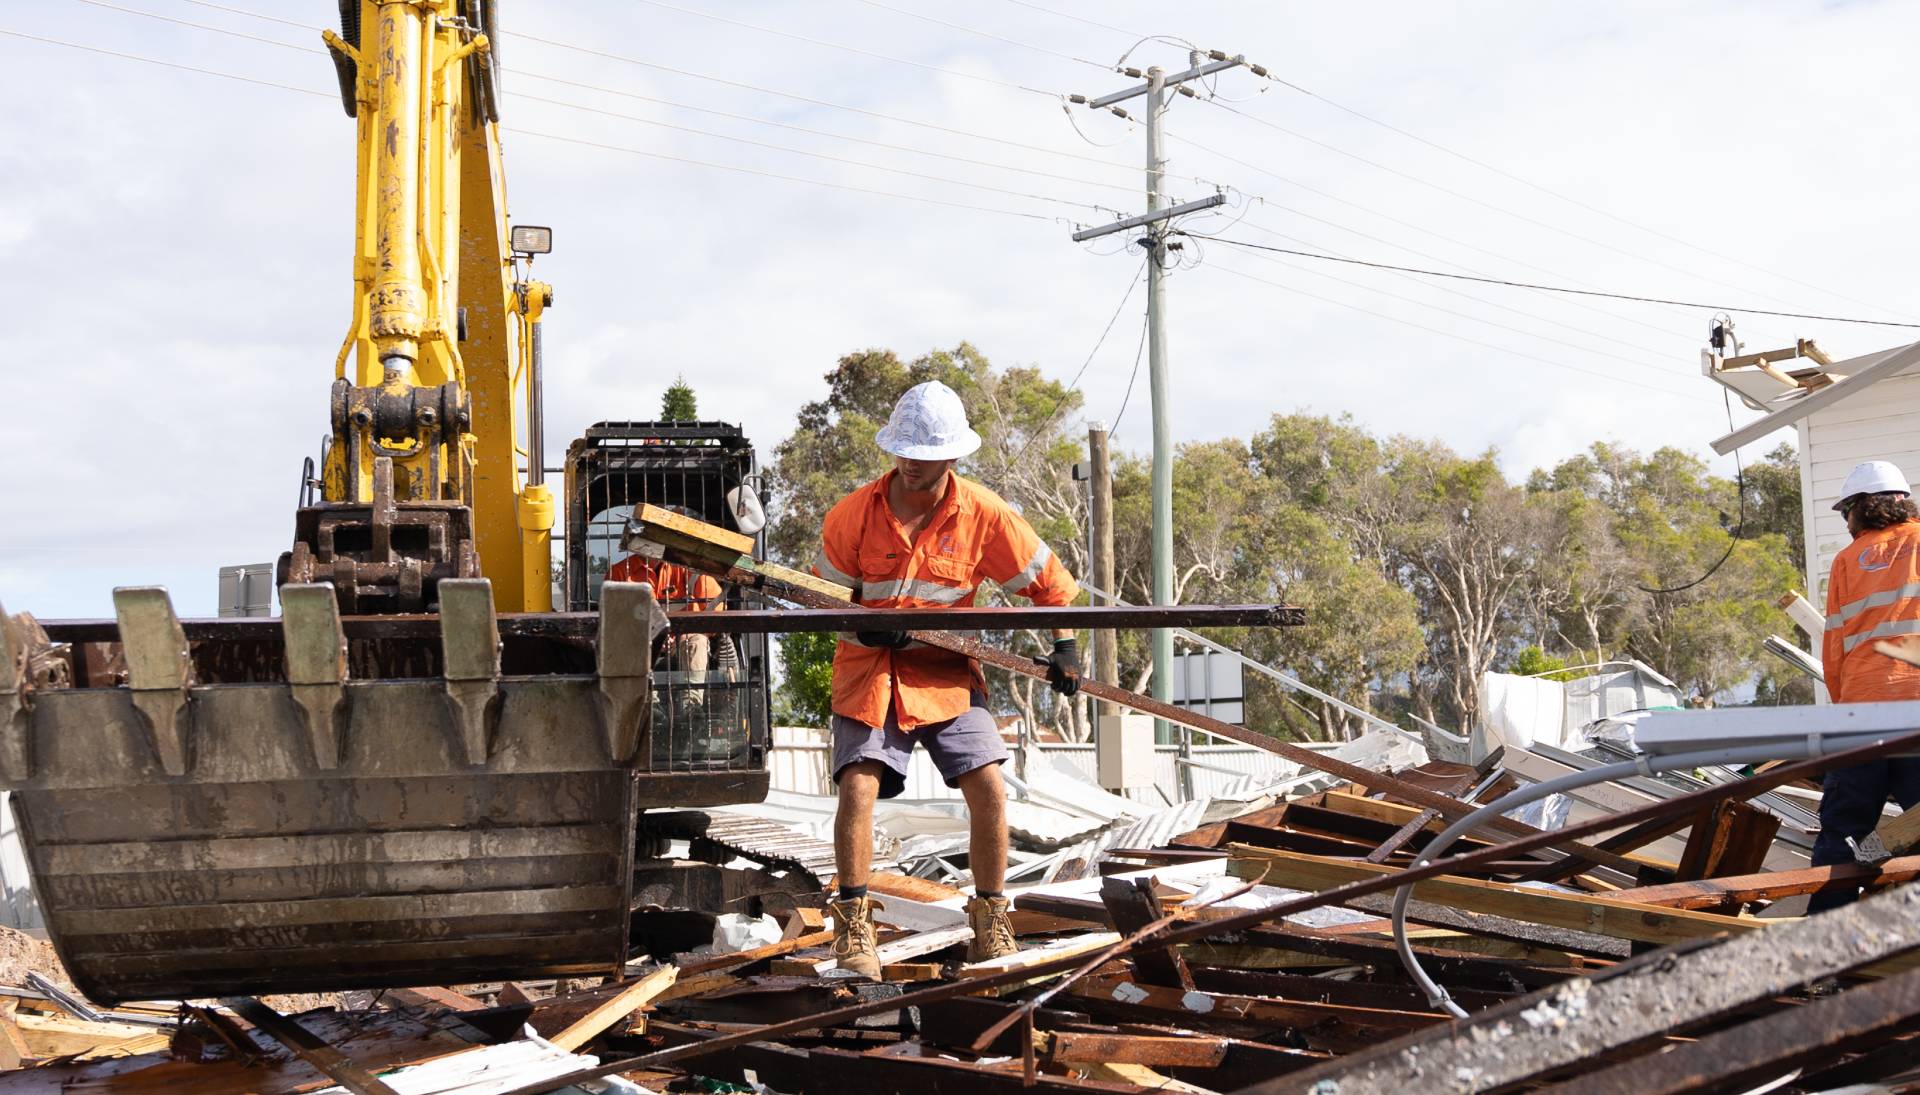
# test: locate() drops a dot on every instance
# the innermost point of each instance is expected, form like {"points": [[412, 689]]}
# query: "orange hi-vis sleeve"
{"points": [[674, 586], [972, 535], [1873, 593]]}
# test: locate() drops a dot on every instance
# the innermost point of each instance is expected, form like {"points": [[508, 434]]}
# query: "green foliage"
{"points": [[679, 403], [1535, 662], [805, 695]]}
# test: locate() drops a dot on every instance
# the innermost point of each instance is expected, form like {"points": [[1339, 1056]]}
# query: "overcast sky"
{"points": [[177, 244]]}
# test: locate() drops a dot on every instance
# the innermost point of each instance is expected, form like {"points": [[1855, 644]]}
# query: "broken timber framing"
{"points": [[1175, 935], [1572, 1023]]}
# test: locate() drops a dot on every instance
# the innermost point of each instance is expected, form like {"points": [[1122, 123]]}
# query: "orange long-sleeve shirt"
{"points": [[1873, 592], [972, 534]]}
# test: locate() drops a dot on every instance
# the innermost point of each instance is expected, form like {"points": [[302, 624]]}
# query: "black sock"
{"points": [[848, 893], [988, 893]]}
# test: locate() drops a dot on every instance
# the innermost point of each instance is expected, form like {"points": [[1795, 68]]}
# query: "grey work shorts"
{"points": [[967, 741]]}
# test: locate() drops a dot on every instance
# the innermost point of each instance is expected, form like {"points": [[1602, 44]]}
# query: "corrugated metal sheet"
{"points": [[800, 758]]}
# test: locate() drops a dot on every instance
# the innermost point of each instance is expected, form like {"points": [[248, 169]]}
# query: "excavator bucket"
{"points": [[306, 831]]}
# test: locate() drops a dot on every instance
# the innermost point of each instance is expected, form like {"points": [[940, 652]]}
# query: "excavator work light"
{"points": [[531, 239]]}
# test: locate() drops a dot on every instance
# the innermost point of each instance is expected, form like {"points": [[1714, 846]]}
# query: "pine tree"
{"points": [[679, 404]]}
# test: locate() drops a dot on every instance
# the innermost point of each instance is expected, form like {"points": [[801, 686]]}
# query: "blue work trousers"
{"points": [[1851, 802]]}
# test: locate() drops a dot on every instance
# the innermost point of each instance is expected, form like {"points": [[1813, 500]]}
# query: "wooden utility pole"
{"points": [[1106, 645]]}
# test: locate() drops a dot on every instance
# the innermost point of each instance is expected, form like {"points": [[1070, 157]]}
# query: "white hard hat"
{"points": [[1872, 477], [928, 423]]}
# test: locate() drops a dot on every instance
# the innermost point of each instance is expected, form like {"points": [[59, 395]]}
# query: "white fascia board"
{"points": [[1670, 732]]}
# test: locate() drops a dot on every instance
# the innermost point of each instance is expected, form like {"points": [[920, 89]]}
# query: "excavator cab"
{"points": [[711, 692]]}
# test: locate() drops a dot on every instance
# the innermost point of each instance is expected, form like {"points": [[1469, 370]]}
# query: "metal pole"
{"points": [[1157, 388], [1106, 647]]}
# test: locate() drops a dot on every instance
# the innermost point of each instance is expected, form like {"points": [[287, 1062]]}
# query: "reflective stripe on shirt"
{"points": [[1031, 574], [1880, 631], [1881, 599]]}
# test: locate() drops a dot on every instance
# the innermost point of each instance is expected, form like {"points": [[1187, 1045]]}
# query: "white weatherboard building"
{"points": [[1861, 408]]}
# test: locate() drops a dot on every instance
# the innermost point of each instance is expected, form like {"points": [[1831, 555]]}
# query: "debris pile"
{"points": [[1256, 951]]}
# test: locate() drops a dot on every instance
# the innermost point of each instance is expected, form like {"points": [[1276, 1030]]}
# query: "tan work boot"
{"points": [[992, 929], [853, 947]]}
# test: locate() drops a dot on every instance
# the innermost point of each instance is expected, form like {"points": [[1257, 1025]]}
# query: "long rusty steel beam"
{"points": [[742, 570], [1169, 936], [738, 621]]}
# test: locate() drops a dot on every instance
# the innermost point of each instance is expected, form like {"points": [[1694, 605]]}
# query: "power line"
{"points": [[1132, 282], [200, 26], [1664, 369], [776, 175], [1076, 18], [252, 14], [1549, 191], [817, 132], [1470, 199], [850, 49], [803, 152], [1464, 295], [811, 101], [1127, 397], [743, 86], [1443, 237], [166, 64], [1560, 288], [653, 100], [686, 106], [985, 34], [1610, 377], [551, 136]]}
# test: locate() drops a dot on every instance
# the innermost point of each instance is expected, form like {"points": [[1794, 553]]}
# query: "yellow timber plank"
{"points": [[1620, 919]]}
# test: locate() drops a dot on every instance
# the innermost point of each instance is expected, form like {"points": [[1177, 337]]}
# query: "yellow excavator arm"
{"points": [[439, 371]]}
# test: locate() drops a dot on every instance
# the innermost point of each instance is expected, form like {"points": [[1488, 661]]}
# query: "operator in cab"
{"points": [[677, 589], [921, 536], [1873, 593]]}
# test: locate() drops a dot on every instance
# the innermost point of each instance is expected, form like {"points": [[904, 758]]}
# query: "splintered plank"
{"points": [[1046, 952], [615, 1008], [1604, 916], [720, 962]]}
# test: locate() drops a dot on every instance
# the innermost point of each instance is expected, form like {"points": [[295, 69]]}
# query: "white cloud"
{"points": [[182, 242]]}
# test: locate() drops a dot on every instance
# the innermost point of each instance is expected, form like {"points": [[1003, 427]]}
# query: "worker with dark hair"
{"points": [[920, 536], [1873, 593]]}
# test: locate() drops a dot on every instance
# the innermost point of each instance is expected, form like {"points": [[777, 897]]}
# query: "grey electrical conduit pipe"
{"points": [[1645, 765]]}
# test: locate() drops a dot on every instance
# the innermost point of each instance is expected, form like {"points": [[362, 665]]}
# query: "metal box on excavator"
{"points": [[711, 704]]}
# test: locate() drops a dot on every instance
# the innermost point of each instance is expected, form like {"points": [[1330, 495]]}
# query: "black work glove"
{"points": [[1063, 668], [890, 640]]}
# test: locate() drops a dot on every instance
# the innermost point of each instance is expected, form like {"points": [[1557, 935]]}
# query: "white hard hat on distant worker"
{"points": [[1872, 477], [928, 423]]}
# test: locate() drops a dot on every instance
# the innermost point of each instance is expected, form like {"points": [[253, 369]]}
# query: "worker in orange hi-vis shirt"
{"points": [[922, 537], [676, 589], [1873, 593]]}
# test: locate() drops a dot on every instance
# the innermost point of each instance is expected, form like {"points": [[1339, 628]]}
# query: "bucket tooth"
{"points": [[316, 665], [159, 671], [16, 755], [630, 619], [470, 645]]}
